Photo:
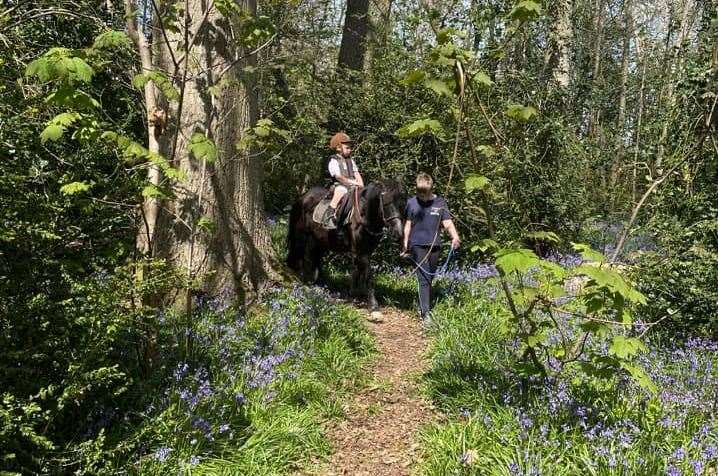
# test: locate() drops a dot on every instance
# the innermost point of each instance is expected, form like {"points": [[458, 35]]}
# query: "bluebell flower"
{"points": [[162, 453]]}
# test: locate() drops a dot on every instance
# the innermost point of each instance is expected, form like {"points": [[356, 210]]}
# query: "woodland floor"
{"points": [[378, 436]]}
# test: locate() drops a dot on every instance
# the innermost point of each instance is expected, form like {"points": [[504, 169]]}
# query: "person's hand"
{"points": [[455, 243]]}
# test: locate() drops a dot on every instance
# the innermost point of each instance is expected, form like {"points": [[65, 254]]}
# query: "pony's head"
{"points": [[393, 207]]}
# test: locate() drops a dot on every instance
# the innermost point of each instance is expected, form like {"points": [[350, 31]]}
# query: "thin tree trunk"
{"points": [[560, 36], [639, 122], [595, 115], [151, 206], [354, 37], [674, 69], [621, 119]]}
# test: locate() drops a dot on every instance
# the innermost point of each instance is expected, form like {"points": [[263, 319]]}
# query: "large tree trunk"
{"points": [[354, 38], [560, 36], [214, 227]]}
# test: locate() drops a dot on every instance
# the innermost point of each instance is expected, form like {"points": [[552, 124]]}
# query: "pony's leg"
{"points": [[309, 269], [316, 258], [364, 285], [370, 297]]}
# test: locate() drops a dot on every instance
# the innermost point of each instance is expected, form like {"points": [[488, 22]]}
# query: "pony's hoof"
{"points": [[377, 316]]}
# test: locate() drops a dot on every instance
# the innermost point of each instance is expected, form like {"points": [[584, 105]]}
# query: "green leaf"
{"points": [[438, 86], [476, 182], [484, 245], [60, 64], [520, 113], [74, 187], [420, 127], [546, 236], [206, 224], [153, 191], [52, 132], [482, 79], [413, 77], [525, 11], [203, 148], [486, 150], [112, 39], [509, 260], [626, 347], [641, 377], [611, 280], [73, 98], [162, 82], [588, 253]]}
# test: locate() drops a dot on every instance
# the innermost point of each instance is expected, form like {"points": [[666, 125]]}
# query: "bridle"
{"points": [[385, 220]]}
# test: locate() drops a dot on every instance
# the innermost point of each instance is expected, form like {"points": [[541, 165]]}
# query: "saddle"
{"points": [[345, 209]]}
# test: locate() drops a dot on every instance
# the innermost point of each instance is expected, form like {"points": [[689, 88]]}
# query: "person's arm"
{"points": [[449, 226], [358, 179], [407, 232], [345, 181]]}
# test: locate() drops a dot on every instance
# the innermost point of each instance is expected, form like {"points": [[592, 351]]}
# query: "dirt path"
{"points": [[379, 435]]}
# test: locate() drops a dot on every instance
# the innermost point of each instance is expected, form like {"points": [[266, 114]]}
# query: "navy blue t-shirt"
{"points": [[426, 218]]}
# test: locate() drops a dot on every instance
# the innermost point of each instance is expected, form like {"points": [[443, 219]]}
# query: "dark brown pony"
{"points": [[381, 206]]}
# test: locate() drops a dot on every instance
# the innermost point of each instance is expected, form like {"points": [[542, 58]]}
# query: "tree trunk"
{"points": [[560, 41], [215, 226], [354, 38], [673, 71], [621, 119], [151, 205], [380, 28], [595, 114]]}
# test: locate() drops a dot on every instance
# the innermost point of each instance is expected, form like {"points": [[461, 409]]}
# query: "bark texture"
{"points": [[560, 36], [233, 253], [352, 51]]}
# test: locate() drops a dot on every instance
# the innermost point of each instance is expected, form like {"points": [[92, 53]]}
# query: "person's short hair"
{"points": [[424, 182]]}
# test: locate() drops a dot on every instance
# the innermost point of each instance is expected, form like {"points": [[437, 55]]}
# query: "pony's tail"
{"points": [[295, 238]]}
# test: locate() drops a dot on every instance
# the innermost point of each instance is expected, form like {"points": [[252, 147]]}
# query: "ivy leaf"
{"points": [[438, 86], [525, 11], [206, 224], [486, 150], [520, 260], [520, 113], [476, 182], [413, 77], [74, 187], [420, 127], [203, 148]]}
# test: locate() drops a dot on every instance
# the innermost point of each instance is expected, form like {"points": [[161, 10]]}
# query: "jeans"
{"points": [[425, 273]]}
